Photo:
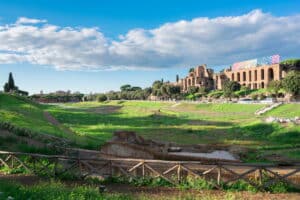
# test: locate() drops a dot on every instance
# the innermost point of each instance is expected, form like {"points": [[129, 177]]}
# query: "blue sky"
{"points": [[117, 42]]}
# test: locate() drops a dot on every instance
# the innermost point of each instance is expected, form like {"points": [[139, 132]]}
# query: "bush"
{"points": [[254, 96], [101, 97], [262, 96]]}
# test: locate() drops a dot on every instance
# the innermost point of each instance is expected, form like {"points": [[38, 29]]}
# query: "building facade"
{"points": [[248, 73]]}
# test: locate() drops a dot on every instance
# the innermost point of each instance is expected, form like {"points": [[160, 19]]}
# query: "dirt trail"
{"points": [[55, 122]]}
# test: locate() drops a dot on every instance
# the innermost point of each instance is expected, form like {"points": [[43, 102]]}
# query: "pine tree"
{"points": [[11, 82], [177, 78]]}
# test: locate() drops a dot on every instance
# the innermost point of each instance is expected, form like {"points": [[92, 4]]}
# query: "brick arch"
{"points": [[262, 74], [244, 76], [250, 76], [270, 74]]}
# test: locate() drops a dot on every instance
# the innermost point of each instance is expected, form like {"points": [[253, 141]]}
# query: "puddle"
{"points": [[214, 155]]}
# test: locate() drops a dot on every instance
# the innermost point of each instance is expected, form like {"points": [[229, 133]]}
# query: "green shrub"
{"points": [[101, 98]]}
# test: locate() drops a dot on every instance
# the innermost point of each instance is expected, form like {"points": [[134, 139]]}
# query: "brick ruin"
{"points": [[253, 77]]}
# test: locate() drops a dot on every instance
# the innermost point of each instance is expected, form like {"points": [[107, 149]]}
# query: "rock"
{"points": [[270, 119], [10, 198]]}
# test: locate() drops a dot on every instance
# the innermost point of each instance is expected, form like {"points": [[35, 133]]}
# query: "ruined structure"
{"points": [[198, 77], [254, 74], [127, 144]]}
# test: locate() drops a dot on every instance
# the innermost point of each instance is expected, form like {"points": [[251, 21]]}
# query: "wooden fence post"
{"points": [[179, 173], [219, 175]]}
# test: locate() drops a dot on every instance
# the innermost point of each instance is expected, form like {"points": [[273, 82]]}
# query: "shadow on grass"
{"points": [[115, 119]]}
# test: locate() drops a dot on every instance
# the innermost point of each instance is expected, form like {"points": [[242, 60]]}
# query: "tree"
{"points": [[10, 85], [126, 87], [135, 88], [274, 87], [229, 88], [156, 88], [101, 97], [6, 87], [11, 82], [290, 64], [291, 83], [177, 78], [191, 70], [193, 90]]}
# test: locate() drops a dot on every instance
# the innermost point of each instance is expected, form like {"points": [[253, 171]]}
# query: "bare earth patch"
{"points": [[105, 109]]}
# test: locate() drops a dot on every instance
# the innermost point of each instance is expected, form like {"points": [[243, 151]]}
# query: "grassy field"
{"points": [[186, 123]]}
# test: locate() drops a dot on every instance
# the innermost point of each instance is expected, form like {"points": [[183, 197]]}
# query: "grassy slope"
{"points": [[286, 110], [25, 114]]}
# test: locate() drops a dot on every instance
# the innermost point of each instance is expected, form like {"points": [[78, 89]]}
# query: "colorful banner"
{"points": [[244, 65], [268, 60]]}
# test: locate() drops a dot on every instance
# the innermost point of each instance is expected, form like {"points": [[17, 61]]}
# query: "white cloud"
{"points": [[25, 20], [214, 41]]}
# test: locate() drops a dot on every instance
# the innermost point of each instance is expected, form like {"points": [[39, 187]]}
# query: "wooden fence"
{"points": [[260, 176]]}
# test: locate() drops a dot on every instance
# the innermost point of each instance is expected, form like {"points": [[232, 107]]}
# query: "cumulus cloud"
{"points": [[214, 41], [25, 20]]}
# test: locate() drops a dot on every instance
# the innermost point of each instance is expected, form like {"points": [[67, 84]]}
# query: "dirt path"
{"points": [[55, 122], [163, 192]]}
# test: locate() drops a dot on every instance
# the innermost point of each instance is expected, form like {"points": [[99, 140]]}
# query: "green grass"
{"points": [[286, 110], [94, 123], [25, 114], [185, 123], [54, 191]]}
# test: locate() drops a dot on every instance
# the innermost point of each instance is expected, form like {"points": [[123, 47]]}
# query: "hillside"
{"points": [[25, 126], [90, 124]]}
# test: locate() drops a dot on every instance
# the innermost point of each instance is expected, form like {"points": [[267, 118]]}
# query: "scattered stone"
{"points": [[270, 119], [10, 198]]}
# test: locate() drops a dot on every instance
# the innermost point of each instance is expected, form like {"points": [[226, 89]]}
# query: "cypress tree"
{"points": [[11, 82]]}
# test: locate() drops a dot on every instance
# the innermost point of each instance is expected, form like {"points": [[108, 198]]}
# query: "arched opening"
{"points": [[262, 85], [262, 74], [254, 86], [244, 76], [193, 81], [270, 74], [232, 76], [250, 76], [238, 76], [189, 82], [255, 75]]}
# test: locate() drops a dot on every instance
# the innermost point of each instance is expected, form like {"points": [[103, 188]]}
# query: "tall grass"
{"points": [[54, 191]]}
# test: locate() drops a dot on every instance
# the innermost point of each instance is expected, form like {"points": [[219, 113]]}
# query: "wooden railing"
{"points": [[218, 173]]}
